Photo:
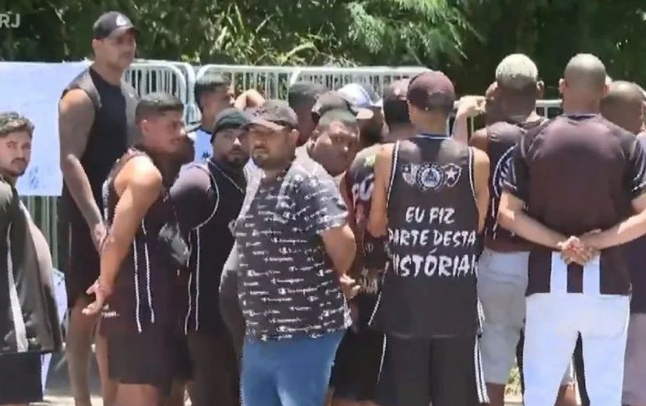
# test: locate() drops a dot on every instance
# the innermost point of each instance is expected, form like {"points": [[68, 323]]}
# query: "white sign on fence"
{"points": [[33, 90]]}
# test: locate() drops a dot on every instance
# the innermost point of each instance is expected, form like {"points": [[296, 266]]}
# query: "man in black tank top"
{"points": [[137, 287], [358, 359], [576, 190], [430, 196], [96, 123], [502, 270], [623, 105], [208, 198]]}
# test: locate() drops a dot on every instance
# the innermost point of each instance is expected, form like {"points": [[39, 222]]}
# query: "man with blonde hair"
{"points": [[502, 272]]}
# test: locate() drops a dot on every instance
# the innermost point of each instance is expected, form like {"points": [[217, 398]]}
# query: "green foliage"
{"points": [[466, 38]]}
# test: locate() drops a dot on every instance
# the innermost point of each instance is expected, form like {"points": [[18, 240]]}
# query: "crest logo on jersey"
{"points": [[501, 170], [431, 176]]}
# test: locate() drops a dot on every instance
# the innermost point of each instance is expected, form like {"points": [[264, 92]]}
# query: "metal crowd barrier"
{"points": [[179, 78]]}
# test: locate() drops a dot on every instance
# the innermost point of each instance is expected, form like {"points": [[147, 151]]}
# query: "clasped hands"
{"points": [[578, 249]]}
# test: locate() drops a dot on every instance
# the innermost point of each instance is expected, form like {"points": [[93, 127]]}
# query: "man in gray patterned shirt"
{"points": [[293, 245]]}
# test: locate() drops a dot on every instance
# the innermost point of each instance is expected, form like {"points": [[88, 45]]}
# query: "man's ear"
{"points": [[540, 89], [294, 135]]}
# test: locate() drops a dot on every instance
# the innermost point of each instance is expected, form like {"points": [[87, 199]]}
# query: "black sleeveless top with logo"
{"points": [[112, 130], [145, 289], [372, 260], [502, 138], [210, 243], [430, 290]]}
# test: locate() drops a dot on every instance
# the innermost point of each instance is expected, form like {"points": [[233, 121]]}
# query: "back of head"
{"points": [[623, 105], [157, 104], [432, 92], [303, 95], [342, 117], [209, 82], [517, 79], [584, 77], [395, 104]]}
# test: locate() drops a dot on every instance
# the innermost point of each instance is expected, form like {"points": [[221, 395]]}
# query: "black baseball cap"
{"points": [[231, 118], [112, 24], [333, 100], [431, 90], [274, 114]]}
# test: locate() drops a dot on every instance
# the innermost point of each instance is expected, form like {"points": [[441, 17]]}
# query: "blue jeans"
{"points": [[291, 372]]}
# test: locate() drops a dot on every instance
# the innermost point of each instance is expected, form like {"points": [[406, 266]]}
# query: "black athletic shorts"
{"points": [[20, 378], [357, 364], [442, 371], [81, 257], [153, 357]]}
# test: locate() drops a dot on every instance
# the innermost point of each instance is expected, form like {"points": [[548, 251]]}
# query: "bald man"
{"points": [[624, 106], [576, 189]]}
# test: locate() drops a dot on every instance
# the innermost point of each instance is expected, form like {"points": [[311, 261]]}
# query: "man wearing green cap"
{"points": [[208, 197]]}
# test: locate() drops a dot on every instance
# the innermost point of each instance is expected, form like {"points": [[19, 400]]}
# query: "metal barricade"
{"points": [[158, 76], [379, 77]]}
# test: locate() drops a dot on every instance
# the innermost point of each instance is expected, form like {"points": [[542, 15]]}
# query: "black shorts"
{"points": [[81, 258], [20, 378], [215, 369], [153, 357], [441, 371], [357, 364]]}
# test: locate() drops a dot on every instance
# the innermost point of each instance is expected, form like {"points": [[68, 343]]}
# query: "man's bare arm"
{"points": [[481, 180], [631, 228], [347, 198], [512, 217], [75, 119], [467, 107], [480, 140], [378, 219], [340, 246], [142, 185]]}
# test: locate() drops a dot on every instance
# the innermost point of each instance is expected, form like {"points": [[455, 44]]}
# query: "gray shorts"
{"points": [[635, 364], [502, 282]]}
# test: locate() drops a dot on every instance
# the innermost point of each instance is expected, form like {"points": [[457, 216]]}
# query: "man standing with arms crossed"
{"points": [[576, 187], [430, 196], [96, 123], [502, 270]]}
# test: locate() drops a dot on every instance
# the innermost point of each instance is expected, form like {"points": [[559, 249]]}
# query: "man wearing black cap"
{"points": [[431, 197], [293, 244], [96, 126], [208, 198], [301, 98]]}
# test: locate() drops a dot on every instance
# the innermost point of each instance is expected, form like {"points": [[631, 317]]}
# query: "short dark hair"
{"points": [[341, 116], [304, 94], [12, 122], [209, 82], [396, 113], [157, 104]]}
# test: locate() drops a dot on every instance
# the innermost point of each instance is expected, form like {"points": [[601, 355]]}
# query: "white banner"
{"points": [[33, 90]]}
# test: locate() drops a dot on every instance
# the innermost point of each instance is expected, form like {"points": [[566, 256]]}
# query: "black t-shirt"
{"points": [[578, 174]]}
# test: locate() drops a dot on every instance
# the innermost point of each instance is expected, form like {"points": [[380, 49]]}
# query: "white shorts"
{"points": [[502, 283]]}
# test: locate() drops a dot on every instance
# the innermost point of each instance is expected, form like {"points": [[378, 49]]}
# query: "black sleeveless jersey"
{"points": [[145, 289], [210, 243], [502, 138], [432, 240], [372, 259], [112, 130]]}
